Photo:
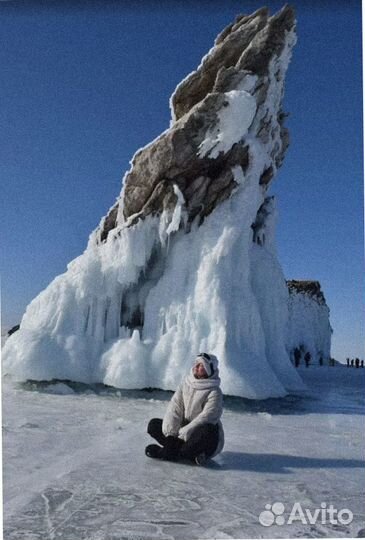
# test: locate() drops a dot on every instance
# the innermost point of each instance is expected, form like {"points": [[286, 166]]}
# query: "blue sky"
{"points": [[85, 84]]}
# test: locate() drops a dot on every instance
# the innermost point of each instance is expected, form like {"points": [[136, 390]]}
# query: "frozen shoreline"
{"points": [[74, 464]]}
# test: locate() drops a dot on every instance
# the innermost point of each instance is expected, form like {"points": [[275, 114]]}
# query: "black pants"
{"points": [[204, 438]]}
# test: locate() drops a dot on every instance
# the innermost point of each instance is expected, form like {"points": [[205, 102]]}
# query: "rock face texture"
{"points": [[185, 261], [310, 288], [235, 74]]}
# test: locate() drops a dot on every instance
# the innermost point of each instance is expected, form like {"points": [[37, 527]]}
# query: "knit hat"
{"points": [[209, 361]]}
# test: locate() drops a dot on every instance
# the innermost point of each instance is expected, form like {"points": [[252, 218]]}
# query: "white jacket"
{"points": [[195, 402]]}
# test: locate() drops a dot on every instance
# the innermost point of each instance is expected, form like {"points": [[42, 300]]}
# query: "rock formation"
{"points": [[185, 260], [193, 155], [311, 288], [309, 326]]}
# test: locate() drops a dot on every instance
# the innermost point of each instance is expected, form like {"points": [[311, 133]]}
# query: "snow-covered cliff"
{"points": [[185, 260]]}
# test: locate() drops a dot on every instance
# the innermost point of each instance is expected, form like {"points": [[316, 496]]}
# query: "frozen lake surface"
{"points": [[75, 469]]}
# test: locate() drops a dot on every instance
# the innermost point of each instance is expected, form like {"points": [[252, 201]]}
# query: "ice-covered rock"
{"points": [[309, 325], [239, 83], [185, 260]]}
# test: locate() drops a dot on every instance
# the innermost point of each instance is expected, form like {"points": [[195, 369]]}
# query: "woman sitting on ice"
{"points": [[191, 428]]}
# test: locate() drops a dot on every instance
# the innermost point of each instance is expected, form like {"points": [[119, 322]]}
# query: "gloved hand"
{"points": [[183, 432]]}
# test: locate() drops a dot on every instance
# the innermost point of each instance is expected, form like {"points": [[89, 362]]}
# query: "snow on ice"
{"points": [[74, 463]]}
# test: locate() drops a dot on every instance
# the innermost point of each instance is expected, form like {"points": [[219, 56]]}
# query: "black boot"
{"points": [[154, 451], [169, 452]]}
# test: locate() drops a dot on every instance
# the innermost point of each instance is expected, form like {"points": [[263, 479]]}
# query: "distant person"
{"points": [[352, 362], [307, 358], [320, 361], [362, 363], [357, 362], [191, 428], [297, 356], [348, 362]]}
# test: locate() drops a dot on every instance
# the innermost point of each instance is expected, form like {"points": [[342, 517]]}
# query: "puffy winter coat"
{"points": [[195, 402]]}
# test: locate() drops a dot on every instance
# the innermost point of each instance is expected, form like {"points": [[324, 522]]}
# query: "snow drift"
{"points": [[185, 260]]}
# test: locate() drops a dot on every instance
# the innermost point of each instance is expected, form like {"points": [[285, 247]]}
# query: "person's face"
{"points": [[199, 371]]}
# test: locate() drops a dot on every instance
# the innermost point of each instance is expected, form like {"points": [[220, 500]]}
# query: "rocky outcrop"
{"points": [[310, 288], [235, 73], [248, 45], [185, 260], [309, 328], [13, 329]]}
